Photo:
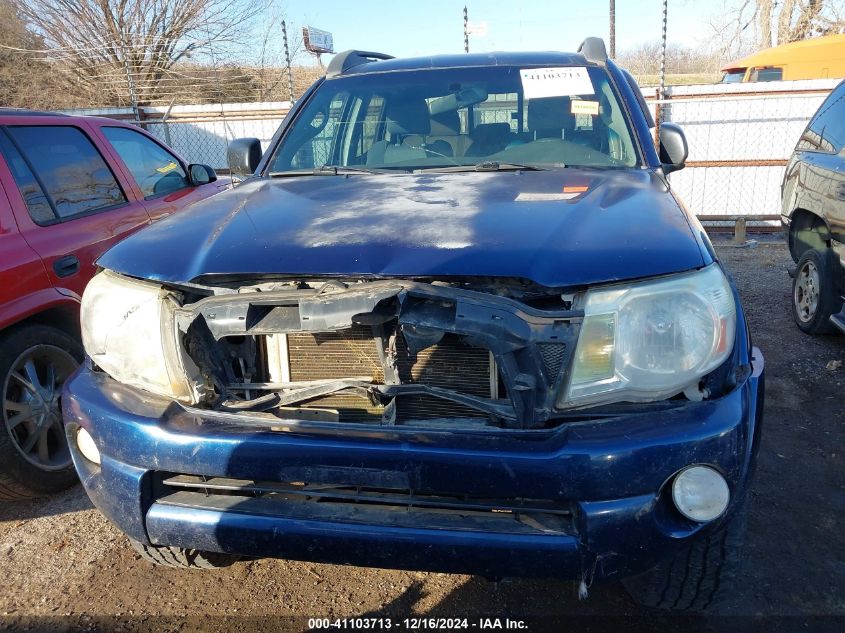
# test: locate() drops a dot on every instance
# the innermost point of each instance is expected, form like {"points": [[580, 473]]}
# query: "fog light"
{"points": [[700, 493], [86, 446]]}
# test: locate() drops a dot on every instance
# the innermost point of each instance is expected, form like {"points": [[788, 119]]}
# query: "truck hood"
{"points": [[567, 227]]}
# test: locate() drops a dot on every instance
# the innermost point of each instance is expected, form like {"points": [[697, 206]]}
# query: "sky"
{"points": [[424, 27]]}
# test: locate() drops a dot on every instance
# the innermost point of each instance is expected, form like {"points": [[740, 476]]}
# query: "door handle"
{"points": [[66, 266], [840, 191]]}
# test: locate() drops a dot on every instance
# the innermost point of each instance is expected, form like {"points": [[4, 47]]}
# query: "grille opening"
{"points": [[427, 352]]}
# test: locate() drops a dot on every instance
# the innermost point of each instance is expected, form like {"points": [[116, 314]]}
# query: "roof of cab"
{"points": [[465, 60], [817, 48]]}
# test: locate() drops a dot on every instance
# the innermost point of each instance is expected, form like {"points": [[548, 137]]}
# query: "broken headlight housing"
{"points": [[651, 340], [129, 331]]}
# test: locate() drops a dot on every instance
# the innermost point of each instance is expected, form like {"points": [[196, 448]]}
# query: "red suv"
{"points": [[70, 187]]}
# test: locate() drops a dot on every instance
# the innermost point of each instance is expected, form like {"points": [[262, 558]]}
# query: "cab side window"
{"points": [[59, 171], [157, 171], [767, 74]]}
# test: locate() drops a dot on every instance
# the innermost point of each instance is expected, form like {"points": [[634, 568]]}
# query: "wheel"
{"points": [[699, 574], [814, 296], [181, 557], [35, 360]]}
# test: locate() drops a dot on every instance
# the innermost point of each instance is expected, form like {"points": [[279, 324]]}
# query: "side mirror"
{"points": [[201, 174], [673, 147], [243, 157]]}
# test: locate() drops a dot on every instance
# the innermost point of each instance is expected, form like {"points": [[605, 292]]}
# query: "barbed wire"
{"points": [[136, 73]]}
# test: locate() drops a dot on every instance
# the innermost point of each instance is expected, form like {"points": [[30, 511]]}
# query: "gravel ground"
{"points": [[65, 567]]}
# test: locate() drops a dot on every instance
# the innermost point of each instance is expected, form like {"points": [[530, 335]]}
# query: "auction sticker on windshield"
{"points": [[538, 83], [584, 107]]}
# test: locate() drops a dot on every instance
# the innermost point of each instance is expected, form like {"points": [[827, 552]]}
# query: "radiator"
{"points": [[450, 364]]}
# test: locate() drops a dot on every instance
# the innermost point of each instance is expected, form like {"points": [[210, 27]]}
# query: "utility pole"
{"points": [[287, 60], [130, 82], [613, 28], [466, 30], [663, 51], [661, 91]]}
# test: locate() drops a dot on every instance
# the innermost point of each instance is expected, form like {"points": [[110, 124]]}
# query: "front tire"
{"points": [[698, 575], [35, 360], [814, 296], [163, 556]]}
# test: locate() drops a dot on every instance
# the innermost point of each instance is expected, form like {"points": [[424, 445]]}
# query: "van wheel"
{"points": [[698, 575], [163, 556], [814, 296], [35, 361]]}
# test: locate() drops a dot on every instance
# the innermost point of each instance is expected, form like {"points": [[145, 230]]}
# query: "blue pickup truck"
{"points": [[454, 318]]}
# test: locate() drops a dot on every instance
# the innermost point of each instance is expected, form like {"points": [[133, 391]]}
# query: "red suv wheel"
{"points": [[34, 458]]}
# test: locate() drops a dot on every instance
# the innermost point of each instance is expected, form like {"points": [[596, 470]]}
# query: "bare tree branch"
{"points": [[775, 22], [101, 42]]}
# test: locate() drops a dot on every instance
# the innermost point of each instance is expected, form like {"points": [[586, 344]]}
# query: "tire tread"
{"points": [[707, 569]]}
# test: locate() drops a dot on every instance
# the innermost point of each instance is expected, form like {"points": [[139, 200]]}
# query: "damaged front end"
{"points": [[388, 352], [469, 352]]}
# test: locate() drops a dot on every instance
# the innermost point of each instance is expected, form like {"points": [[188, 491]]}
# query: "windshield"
{"points": [[733, 76], [543, 117]]}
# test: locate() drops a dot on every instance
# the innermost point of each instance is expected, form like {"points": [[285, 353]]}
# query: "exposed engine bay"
{"points": [[486, 352]]}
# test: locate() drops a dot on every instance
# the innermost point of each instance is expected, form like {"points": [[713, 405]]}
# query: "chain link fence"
{"points": [[202, 133], [740, 138]]}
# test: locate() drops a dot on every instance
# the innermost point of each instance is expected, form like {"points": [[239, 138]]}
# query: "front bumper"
{"points": [[611, 474]]}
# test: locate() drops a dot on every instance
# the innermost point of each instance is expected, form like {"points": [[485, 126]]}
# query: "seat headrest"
{"points": [[550, 113], [446, 123], [407, 115], [489, 131]]}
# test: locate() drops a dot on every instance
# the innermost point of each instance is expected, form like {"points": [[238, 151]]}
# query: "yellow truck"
{"points": [[818, 58]]}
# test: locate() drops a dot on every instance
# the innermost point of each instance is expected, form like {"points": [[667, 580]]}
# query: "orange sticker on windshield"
{"points": [[579, 106], [169, 167]]}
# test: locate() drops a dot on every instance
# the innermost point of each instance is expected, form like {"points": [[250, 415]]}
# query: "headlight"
{"points": [[129, 331], [651, 340]]}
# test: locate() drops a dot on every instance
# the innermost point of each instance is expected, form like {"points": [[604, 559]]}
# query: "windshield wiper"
{"points": [[340, 170], [487, 165], [329, 170], [494, 165]]}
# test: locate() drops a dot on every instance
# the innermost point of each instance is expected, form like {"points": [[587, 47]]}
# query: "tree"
{"points": [[796, 20], [16, 78], [26, 79], [645, 59], [115, 47], [774, 22]]}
